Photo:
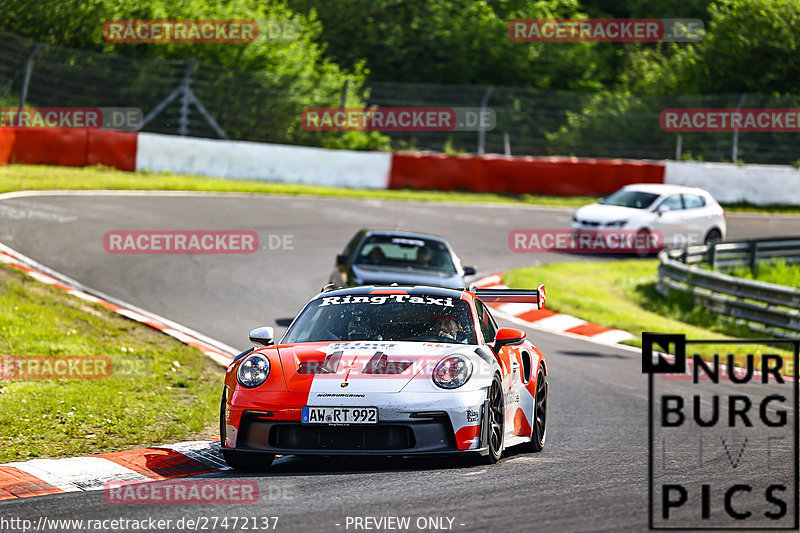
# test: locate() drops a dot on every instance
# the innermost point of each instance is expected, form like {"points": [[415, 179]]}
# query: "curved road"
{"points": [[592, 475]]}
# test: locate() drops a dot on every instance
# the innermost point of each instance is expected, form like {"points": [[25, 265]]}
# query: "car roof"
{"points": [[663, 188], [412, 290], [400, 233]]}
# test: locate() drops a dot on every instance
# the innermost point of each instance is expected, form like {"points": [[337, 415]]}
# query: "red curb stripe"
{"points": [[588, 329], [535, 315], [157, 463], [15, 483]]}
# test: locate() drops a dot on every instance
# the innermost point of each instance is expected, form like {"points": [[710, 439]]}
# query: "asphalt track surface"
{"points": [[593, 473]]}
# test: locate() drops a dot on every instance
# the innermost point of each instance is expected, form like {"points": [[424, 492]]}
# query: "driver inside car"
{"points": [[445, 326]]}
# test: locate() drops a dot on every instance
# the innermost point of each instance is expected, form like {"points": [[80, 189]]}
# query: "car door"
{"points": [[699, 218], [510, 360], [670, 220]]}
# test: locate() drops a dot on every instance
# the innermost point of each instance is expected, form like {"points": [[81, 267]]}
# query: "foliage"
{"points": [[289, 67], [459, 42]]}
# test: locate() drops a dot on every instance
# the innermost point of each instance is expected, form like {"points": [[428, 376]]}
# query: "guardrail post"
{"points": [[712, 255], [754, 258]]}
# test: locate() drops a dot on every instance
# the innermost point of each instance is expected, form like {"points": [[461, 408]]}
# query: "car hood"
{"points": [[607, 213], [372, 275], [323, 367]]}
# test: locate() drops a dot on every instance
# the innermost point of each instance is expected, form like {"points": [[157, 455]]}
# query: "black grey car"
{"points": [[383, 257]]}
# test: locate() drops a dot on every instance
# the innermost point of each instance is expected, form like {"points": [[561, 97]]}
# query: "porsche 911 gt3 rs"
{"points": [[388, 371]]}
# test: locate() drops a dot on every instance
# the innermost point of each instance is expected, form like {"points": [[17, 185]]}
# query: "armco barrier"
{"points": [[768, 307], [563, 176]]}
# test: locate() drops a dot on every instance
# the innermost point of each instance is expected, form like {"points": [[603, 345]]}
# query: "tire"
{"points": [[713, 235], [539, 429], [249, 462], [643, 235], [496, 421]]}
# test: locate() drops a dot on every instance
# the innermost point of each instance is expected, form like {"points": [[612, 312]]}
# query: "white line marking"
{"points": [[612, 337], [515, 308], [44, 278], [560, 322], [83, 296], [133, 315]]}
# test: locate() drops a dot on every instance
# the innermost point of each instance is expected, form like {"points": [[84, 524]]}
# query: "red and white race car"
{"points": [[387, 371]]}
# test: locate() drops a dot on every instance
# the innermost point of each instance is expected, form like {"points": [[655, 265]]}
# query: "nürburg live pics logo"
{"points": [[723, 433]]}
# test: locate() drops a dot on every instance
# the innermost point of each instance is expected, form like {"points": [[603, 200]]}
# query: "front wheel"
{"points": [[496, 419], [643, 242]]}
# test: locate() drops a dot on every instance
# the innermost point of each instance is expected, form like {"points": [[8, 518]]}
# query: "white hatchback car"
{"points": [[683, 215]]}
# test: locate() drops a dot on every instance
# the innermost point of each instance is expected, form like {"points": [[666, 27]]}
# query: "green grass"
{"points": [[779, 272], [622, 295], [169, 391], [42, 177]]}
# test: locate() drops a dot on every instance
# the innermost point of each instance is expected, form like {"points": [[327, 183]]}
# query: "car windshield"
{"points": [[384, 317], [405, 252], [635, 199]]}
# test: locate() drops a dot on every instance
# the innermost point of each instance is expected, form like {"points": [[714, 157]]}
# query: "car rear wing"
{"points": [[516, 296]]}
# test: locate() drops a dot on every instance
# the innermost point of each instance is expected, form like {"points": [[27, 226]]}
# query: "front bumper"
{"points": [[431, 435], [419, 425]]}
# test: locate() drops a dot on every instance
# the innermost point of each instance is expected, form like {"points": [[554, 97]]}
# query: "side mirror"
{"points": [[264, 336], [470, 270], [341, 259], [508, 337], [662, 209]]}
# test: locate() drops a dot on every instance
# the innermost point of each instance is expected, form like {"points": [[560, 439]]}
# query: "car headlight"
{"points": [[452, 371], [617, 223], [253, 371]]}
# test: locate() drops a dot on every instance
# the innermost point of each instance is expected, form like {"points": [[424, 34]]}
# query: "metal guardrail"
{"points": [[767, 307]]}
